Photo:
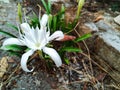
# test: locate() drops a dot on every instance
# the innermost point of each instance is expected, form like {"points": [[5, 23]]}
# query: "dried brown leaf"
{"points": [[3, 66], [100, 17]]}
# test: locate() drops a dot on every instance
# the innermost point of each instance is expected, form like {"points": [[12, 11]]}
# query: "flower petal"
{"points": [[25, 27], [44, 21], [54, 55], [24, 59], [58, 35], [12, 41]]}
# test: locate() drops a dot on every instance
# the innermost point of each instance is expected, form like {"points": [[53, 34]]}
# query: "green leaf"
{"points": [[45, 6], [71, 49], [14, 53], [50, 20], [13, 47], [83, 37], [12, 26], [54, 23], [61, 12], [60, 15], [49, 5], [6, 33], [67, 61]]}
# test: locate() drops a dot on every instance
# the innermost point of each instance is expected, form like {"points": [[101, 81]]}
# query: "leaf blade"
{"points": [[83, 37], [12, 26], [6, 33], [71, 49], [13, 47]]}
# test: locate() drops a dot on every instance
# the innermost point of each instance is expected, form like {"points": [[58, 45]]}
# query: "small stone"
{"points": [[117, 19]]}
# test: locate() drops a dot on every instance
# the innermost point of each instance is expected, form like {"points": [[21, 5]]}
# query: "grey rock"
{"points": [[8, 15], [108, 45], [5, 1], [117, 19], [92, 26]]}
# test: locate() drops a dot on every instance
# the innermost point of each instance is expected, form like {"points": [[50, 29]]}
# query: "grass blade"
{"points": [[13, 47], [12, 26], [45, 6], [71, 49], [83, 37]]}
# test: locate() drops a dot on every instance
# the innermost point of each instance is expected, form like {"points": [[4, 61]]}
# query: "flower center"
{"points": [[37, 44]]}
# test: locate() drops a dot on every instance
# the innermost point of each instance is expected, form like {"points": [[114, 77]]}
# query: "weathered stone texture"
{"points": [[107, 45], [8, 14]]}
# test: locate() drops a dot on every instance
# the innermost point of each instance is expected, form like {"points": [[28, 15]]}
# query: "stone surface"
{"points": [[107, 45], [8, 14], [5, 1], [92, 26], [109, 19], [117, 19], [31, 82]]}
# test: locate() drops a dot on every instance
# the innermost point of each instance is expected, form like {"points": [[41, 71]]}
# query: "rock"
{"points": [[109, 19], [87, 28], [5, 1], [92, 26], [107, 45], [117, 19], [8, 15], [31, 82]]}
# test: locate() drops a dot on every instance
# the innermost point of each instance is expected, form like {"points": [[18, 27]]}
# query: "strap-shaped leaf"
{"points": [[12, 26], [49, 5], [45, 6], [83, 37], [71, 49], [13, 47], [54, 22], [14, 53], [6, 33]]}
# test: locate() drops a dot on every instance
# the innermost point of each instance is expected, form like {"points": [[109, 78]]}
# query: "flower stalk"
{"points": [[80, 5], [19, 12]]}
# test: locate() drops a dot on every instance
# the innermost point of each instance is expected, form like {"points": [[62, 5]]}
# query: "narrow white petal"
{"points": [[25, 27], [36, 32], [42, 34], [24, 59], [48, 33], [44, 19], [58, 35], [12, 41], [54, 55]]}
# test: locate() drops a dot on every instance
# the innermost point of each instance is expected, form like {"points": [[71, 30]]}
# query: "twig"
{"points": [[89, 58]]}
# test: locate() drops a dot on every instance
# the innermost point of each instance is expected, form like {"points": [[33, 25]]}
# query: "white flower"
{"points": [[36, 39]]}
